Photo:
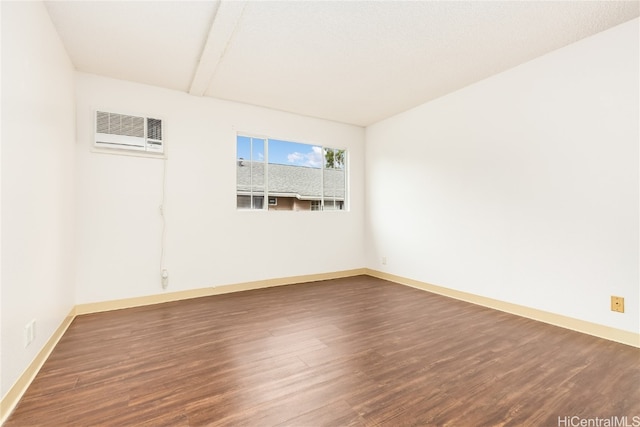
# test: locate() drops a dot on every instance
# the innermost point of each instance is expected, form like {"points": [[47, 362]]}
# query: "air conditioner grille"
{"points": [[154, 129], [119, 124]]}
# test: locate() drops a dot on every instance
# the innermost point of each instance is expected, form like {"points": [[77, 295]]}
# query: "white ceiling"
{"points": [[350, 61]]}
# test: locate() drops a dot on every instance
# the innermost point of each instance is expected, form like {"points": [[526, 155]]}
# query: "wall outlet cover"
{"points": [[617, 304]]}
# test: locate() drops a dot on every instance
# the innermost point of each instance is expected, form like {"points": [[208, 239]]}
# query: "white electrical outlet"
{"points": [[164, 278], [29, 332], [384, 260]]}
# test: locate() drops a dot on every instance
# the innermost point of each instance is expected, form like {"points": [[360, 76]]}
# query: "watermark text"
{"points": [[613, 421]]}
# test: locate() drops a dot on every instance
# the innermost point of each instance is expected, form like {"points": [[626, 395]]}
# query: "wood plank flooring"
{"points": [[348, 352]]}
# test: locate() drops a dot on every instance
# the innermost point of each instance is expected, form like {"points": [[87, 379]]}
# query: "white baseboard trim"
{"points": [[600, 331], [15, 393], [97, 307]]}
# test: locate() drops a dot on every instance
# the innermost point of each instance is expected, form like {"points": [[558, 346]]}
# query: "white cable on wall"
{"points": [[164, 275]]}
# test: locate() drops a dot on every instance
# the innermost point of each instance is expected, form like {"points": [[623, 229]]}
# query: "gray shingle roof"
{"points": [[290, 181]]}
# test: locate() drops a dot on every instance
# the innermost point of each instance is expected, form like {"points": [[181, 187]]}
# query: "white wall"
{"points": [[208, 242], [522, 187], [38, 138]]}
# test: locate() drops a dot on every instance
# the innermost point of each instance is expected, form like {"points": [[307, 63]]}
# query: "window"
{"points": [[291, 175], [250, 173], [250, 202]]}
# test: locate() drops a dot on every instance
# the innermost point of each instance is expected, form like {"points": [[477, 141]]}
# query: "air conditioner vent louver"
{"points": [[125, 132], [120, 124], [154, 129]]}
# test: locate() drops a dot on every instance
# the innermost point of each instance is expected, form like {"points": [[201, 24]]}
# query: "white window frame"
{"points": [[265, 195]]}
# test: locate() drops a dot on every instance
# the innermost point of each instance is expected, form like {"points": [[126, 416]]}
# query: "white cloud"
{"points": [[313, 158], [296, 158]]}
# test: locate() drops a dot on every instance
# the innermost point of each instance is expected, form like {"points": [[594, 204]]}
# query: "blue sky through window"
{"points": [[281, 152]]}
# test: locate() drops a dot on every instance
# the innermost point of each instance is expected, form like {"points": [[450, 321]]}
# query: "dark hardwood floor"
{"points": [[349, 352]]}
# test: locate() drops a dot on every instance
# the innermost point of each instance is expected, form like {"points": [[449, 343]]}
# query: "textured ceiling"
{"points": [[350, 61]]}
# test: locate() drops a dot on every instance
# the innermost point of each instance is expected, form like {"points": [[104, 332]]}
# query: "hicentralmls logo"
{"points": [[576, 421]]}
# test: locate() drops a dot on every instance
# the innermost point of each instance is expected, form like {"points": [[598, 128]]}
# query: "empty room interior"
{"points": [[320, 213]]}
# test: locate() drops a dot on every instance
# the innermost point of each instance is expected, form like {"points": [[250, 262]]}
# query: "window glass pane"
{"points": [[243, 202], [295, 174], [286, 175], [243, 148], [334, 158], [258, 202], [334, 179], [250, 172]]}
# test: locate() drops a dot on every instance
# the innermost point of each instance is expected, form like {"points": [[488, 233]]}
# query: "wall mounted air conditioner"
{"points": [[125, 132]]}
